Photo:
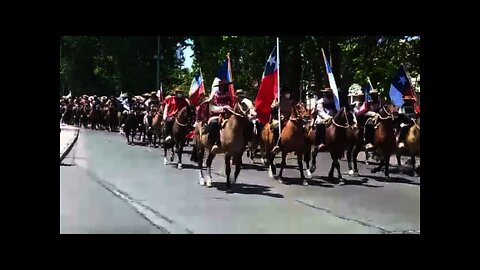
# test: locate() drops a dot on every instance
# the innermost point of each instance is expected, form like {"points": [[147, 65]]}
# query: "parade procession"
{"points": [[284, 152]]}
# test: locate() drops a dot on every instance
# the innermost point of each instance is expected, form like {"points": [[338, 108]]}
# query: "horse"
{"points": [[268, 137], [293, 139], [232, 138], [130, 127], [141, 128], [112, 118], [95, 117], [336, 139], [412, 144], [355, 144], [384, 141], [184, 120]]}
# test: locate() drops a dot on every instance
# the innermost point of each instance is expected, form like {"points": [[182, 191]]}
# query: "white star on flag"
{"points": [[402, 80], [271, 60]]}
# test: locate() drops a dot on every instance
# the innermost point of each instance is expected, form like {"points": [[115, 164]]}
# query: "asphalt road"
{"points": [[110, 187]]}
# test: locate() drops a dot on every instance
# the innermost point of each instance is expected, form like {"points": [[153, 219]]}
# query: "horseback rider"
{"points": [[219, 103], [152, 102], [286, 104], [324, 112], [406, 115], [373, 106], [172, 104]]}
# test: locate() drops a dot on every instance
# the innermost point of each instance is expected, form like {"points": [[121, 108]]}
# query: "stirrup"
{"points": [[368, 146], [214, 149], [276, 149]]}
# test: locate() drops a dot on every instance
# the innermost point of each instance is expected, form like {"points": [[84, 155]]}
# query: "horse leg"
{"points": [[356, 150], [307, 158], [128, 139], [209, 169], [227, 170], [330, 173], [271, 165], [165, 149], [337, 166], [200, 154], [172, 158], [238, 167], [349, 160], [415, 174], [314, 160], [179, 155], [379, 168], [386, 161], [282, 166], [300, 167]]}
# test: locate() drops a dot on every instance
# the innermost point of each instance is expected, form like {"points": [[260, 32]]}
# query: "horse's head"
{"points": [[344, 117], [190, 114], [386, 112], [300, 111], [251, 113]]}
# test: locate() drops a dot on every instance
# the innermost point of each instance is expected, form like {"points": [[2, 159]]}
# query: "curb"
{"points": [[65, 153]]}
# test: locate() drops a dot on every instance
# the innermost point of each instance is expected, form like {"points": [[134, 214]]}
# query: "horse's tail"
{"points": [[194, 156]]}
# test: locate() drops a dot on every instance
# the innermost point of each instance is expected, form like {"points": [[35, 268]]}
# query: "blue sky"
{"points": [[188, 53]]}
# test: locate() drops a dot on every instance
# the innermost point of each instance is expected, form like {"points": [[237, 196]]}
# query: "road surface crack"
{"points": [[384, 231]]}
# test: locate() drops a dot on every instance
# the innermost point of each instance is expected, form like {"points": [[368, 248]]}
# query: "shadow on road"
{"points": [[400, 180], [256, 167], [242, 188], [312, 182], [66, 164]]}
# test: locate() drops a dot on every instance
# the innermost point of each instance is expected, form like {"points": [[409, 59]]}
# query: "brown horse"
{"points": [[355, 143], [384, 142], [336, 139], [155, 126], [412, 144], [95, 117], [112, 118], [232, 144], [268, 138], [293, 139], [184, 120]]}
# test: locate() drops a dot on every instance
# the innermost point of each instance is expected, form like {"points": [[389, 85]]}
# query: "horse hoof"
{"points": [[165, 161], [179, 166], [280, 181], [202, 181], [270, 173], [308, 174], [312, 169], [305, 183]]}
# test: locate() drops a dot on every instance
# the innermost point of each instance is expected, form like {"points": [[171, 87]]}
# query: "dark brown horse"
{"points": [[130, 127], [336, 139], [184, 120], [384, 142], [268, 138], [293, 140], [95, 117], [355, 143], [112, 118]]}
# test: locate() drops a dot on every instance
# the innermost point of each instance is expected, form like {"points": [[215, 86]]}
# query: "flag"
{"points": [[197, 89], [224, 73], [331, 80], [400, 87], [268, 88], [160, 92], [366, 92]]}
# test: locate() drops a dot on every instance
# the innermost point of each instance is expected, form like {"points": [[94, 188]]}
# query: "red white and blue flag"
{"points": [[400, 87], [224, 73], [331, 80], [160, 92], [197, 89], [268, 88]]}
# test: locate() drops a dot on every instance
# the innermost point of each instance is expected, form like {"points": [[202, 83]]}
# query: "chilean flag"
{"points": [[160, 92], [268, 88], [331, 80], [224, 73], [197, 89], [400, 87]]}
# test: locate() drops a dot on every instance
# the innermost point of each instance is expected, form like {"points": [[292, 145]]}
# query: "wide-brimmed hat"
{"points": [[239, 92], [327, 90], [146, 95], [223, 82], [356, 93], [373, 91], [153, 93]]}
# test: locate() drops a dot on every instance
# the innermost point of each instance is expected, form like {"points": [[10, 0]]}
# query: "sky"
{"points": [[188, 53]]}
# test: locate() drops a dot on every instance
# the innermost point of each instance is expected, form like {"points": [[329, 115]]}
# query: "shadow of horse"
{"points": [[184, 166], [399, 180], [312, 182], [255, 167], [242, 188], [66, 164]]}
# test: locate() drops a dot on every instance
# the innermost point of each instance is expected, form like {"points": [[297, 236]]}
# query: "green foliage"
{"points": [[108, 65]]}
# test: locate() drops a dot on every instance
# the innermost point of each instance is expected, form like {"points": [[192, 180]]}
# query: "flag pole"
{"points": [[369, 82], [278, 88]]}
